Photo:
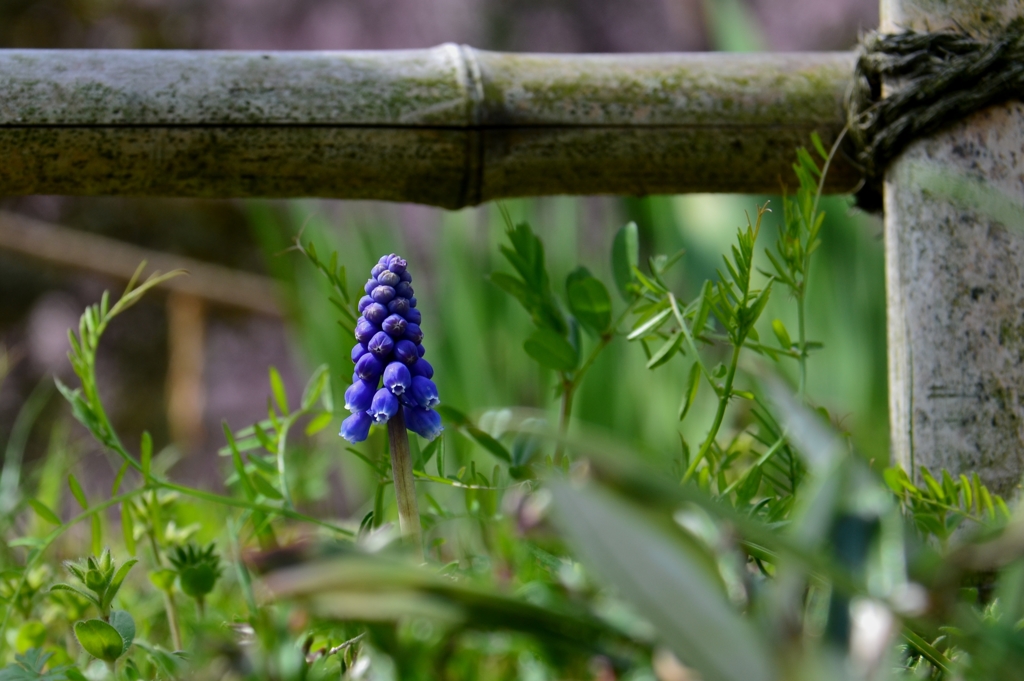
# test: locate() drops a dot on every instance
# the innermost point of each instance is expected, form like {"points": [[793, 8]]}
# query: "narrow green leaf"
{"points": [[128, 528], [315, 386], [277, 386], [666, 580], [236, 459], [692, 384], [650, 325], [625, 256], [781, 334], [551, 350], [146, 453], [666, 351], [76, 490], [118, 580], [44, 511], [462, 422], [318, 423], [265, 488], [118, 479], [819, 147]]}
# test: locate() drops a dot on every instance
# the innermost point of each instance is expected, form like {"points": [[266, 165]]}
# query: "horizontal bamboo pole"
{"points": [[77, 250], [449, 126]]}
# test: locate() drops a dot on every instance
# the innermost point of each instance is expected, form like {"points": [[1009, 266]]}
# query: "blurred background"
{"points": [[178, 365]]}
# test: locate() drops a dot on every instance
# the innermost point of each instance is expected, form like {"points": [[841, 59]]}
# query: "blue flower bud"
{"points": [[375, 313], [369, 286], [397, 264], [404, 290], [423, 392], [377, 269], [387, 278], [369, 368], [364, 303], [359, 396], [399, 306], [356, 427], [424, 422], [406, 277], [384, 406], [365, 330], [422, 368], [358, 350], [383, 294], [420, 350], [381, 345], [405, 352], [412, 302], [413, 333], [414, 316], [383, 260], [397, 377], [395, 326]]}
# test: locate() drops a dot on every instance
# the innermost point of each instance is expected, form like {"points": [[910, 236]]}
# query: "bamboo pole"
{"points": [[449, 126], [77, 250], [955, 283]]}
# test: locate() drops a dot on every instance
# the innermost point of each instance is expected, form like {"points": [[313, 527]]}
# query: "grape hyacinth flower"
{"points": [[391, 379]]}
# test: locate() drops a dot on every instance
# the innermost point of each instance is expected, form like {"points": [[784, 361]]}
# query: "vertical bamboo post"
{"points": [[186, 394], [955, 280]]}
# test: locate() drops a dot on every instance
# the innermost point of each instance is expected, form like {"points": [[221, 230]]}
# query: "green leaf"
{"points": [[100, 640], [44, 511], [125, 625], [318, 423], [692, 383], [128, 527], [781, 334], [163, 579], [665, 352], [625, 256], [118, 479], [31, 634], [76, 490], [462, 422], [264, 487], [666, 580], [514, 287], [236, 459], [551, 350], [589, 301], [117, 581], [146, 450], [277, 386], [650, 325], [316, 384]]}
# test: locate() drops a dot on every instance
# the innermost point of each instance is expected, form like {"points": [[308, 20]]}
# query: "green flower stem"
{"points": [[803, 336], [723, 402], [569, 385], [405, 482]]}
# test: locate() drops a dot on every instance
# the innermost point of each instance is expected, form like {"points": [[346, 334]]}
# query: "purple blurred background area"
{"points": [[39, 301], [517, 25]]}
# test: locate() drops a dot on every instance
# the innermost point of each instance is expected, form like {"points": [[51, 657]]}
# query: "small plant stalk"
{"points": [[172, 620], [723, 402], [405, 484], [564, 414]]}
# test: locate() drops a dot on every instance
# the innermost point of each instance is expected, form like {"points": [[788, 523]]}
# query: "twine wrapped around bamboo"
{"points": [[449, 126]]}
